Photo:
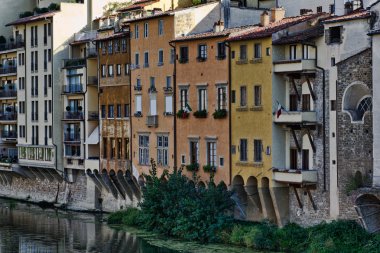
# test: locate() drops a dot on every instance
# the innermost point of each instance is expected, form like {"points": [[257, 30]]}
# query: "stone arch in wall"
{"points": [[307, 100], [240, 197], [254, 207], [357, 101], [266, 200], [368, 208], [307, 153]]}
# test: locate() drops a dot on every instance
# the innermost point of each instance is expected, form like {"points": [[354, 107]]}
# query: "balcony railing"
{"points": [[73, 88], [8, 93], [295, 176], [93, 115], [12, 45], [152, 121], [72, 137], [8, 70], [8, 116], [70, 63], [73, 115], [296, 117], [9, 134], [297, 65]]}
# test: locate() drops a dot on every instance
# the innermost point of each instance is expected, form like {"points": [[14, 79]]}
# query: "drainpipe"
{"points": [[323, 117], [130, 105], [175, 102], [229, 110]]}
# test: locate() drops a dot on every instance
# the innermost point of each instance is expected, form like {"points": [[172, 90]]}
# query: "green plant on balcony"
{"points": [[182, 114], [26, 14], [209, 168], [192, 167], [200, 114], [220, 114], [68, 108]]}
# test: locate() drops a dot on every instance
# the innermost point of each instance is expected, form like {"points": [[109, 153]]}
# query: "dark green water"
{"points": [[30, 229]]}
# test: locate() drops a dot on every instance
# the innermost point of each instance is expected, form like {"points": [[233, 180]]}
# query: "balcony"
{"points": [[73, 115], [8, 116], [296, 117], [9, 135], [74, 63], [73, 88], [152, 121], [11, 45], [298, 66], [295, 176], [8, 93], [8, 70], [72, 137]]}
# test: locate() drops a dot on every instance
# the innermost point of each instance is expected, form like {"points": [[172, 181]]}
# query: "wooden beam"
{"points": [[298, 197], [313, 96], [295, 89], [311, 140], [311, 199], [295, 139]]}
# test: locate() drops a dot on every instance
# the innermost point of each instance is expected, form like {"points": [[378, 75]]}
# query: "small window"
{"points": [[232, 54], [332, 61], [146, 30], [146, 59], [243, 150], [233, 96], [168, 81], [110, 70], [202, 52], [332, 8], [257, 53], [104, 70], [257, 94], [160, 57], [118, 111], [293, 52], [333, 105], [268, 51], [126, 69], [184, 54], [319, 9], [136, 31], [160, 27], [111, 111], [258, 150], [202, 99], [222, 98], [118, 69], [126, 110], [137, 60], [183, 159], [221, 50], [293, 101], [335, 34], [243, 52], [243, 96], [221, 161]]}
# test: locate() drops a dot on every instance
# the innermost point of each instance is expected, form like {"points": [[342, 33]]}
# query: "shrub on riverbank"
{"points": [[128, 217]]}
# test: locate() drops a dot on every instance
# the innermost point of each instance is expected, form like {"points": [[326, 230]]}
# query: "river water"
{"points": [[30, 229]]}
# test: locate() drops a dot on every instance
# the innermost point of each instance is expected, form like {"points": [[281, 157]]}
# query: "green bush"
{"points": [[292, 238], [116, 218], [128, 217], [174, 206]]}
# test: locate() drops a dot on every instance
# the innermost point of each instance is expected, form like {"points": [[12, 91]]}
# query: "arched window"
{"points": [[364, 105], [357, 101]]}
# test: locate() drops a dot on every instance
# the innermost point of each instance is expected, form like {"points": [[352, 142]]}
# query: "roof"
{"points": [[33, 18], [113, 36], [357, 14], [262, 32], [137, 5], [210, 34], [302, 36], [352, 56], [160, 14]]}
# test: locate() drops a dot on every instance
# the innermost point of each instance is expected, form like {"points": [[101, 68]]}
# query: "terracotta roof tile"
{"points": [[32, 18], [357, 14], [113, 36], [137, 5], [262, 32], [210, 34], [160, 14], [301, 36]]}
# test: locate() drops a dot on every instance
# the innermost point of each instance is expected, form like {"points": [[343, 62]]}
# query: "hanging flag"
{"points": [[187, 108], [279, 109]]}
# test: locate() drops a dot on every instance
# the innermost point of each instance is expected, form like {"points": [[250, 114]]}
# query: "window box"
{"points": [[168, 114], [209, 168], [220, 57], [183, 60], [182, 114], [138, 114], [256, 60], [220, 114], [192, 167], [201, 59], [241, 61], [137, 87], [152, 89], [200, 114], [168, 89]]}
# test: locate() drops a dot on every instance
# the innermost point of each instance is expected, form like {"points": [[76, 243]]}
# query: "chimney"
{"points": [[218, 26], [277, 14], [264, 19]]}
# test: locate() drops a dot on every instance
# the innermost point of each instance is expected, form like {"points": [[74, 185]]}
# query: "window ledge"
{"points": [[241, 62], [256, 108], [250, 164], [242, 109], [256, 60]]}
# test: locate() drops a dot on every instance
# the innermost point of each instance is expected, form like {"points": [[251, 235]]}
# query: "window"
{"points": [[126, 148], [103, 70], [233, 96], [144, 149], [293, 159], [152, 83], [332, 8], [153, 105], [146, 59], [243, 150], [138, 83], [137, 60], [118, 69], [257, 94], [119, 148], [49, 55], [293, 101], [332, 61], [111, 111], [232, 54], [138, 104], [49, 81], [221, 50], [124, 45], [202, 99], [243, 52], [168, 82], [110, 47], [146, 30], [221, 161], [293, 52], [305, 52], [105, 150], [257, 51], [202, 52], [258, 150], [118, 111], [243, 96], [194, 152], [162, 150], [319, 9], [183, 54], [136, 31], [126, 69], [160, 57], [126, 110], [305, 159], [168, 105], [267, 50], [306, 102], [49, 29], [113, 148], [183, 98], [211, 153], [116, 44], [103, 46], [222, 98], [335, 34], [110, 70], [160, 27], [172, 56], [333, 105]]}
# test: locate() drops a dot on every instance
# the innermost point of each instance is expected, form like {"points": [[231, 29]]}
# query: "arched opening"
{"points": [[240, 197], [357, 101], [254, 208], [307, 153], [266, 200], [127, 188], [201, 185], [368, 209], [222, 185]]}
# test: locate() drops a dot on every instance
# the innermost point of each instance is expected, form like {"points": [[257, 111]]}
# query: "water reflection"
{"points": [[27, 228]]}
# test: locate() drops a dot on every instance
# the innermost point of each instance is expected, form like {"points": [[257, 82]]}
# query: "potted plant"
{"points": [[192, 167], [8, 109], [200, 114], [220, 114], [68, 108], [209, 168], [182, 114]]}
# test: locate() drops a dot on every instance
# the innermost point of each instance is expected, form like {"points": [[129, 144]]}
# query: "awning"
{"points": [[93, 139]]}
